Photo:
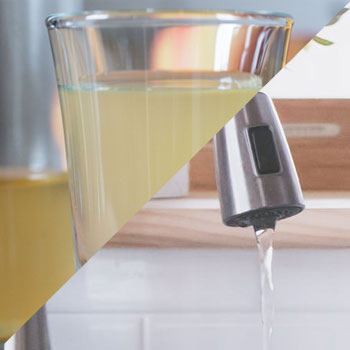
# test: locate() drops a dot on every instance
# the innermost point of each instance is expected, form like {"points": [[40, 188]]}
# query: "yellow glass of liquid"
{"points": [[36, 244], [36, 236], [142, 91]]}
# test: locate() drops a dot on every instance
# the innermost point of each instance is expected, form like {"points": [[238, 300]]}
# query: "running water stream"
{"points": [[264, 239]]}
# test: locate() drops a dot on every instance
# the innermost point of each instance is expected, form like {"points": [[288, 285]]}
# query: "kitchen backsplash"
{"points": [[145, 299]]}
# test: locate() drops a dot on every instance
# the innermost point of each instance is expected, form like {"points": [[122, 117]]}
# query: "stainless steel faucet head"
{"points": [[34, 334], [255, 174]]}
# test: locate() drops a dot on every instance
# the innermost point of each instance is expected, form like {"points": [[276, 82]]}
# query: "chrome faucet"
{"points": [[34, 334], [255, 174]]}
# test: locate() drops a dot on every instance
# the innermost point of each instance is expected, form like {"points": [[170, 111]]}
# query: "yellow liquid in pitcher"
{"points": [[36, 244], [126, 139]]}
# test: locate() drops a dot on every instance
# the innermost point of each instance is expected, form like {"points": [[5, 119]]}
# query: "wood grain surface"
{"points": [[323, 163], [200, 228]]}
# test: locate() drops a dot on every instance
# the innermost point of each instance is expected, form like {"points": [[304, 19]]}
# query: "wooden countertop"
{"points": [[195, 222]]}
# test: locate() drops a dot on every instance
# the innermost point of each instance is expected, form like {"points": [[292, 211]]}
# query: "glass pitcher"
{"points": [[142, 91]]}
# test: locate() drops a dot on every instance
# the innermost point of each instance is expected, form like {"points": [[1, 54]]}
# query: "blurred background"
{"points": [[310, 16]]}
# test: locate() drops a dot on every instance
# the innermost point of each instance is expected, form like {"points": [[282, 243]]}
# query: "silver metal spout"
{"points": [[255, 174], [34, 334]]}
